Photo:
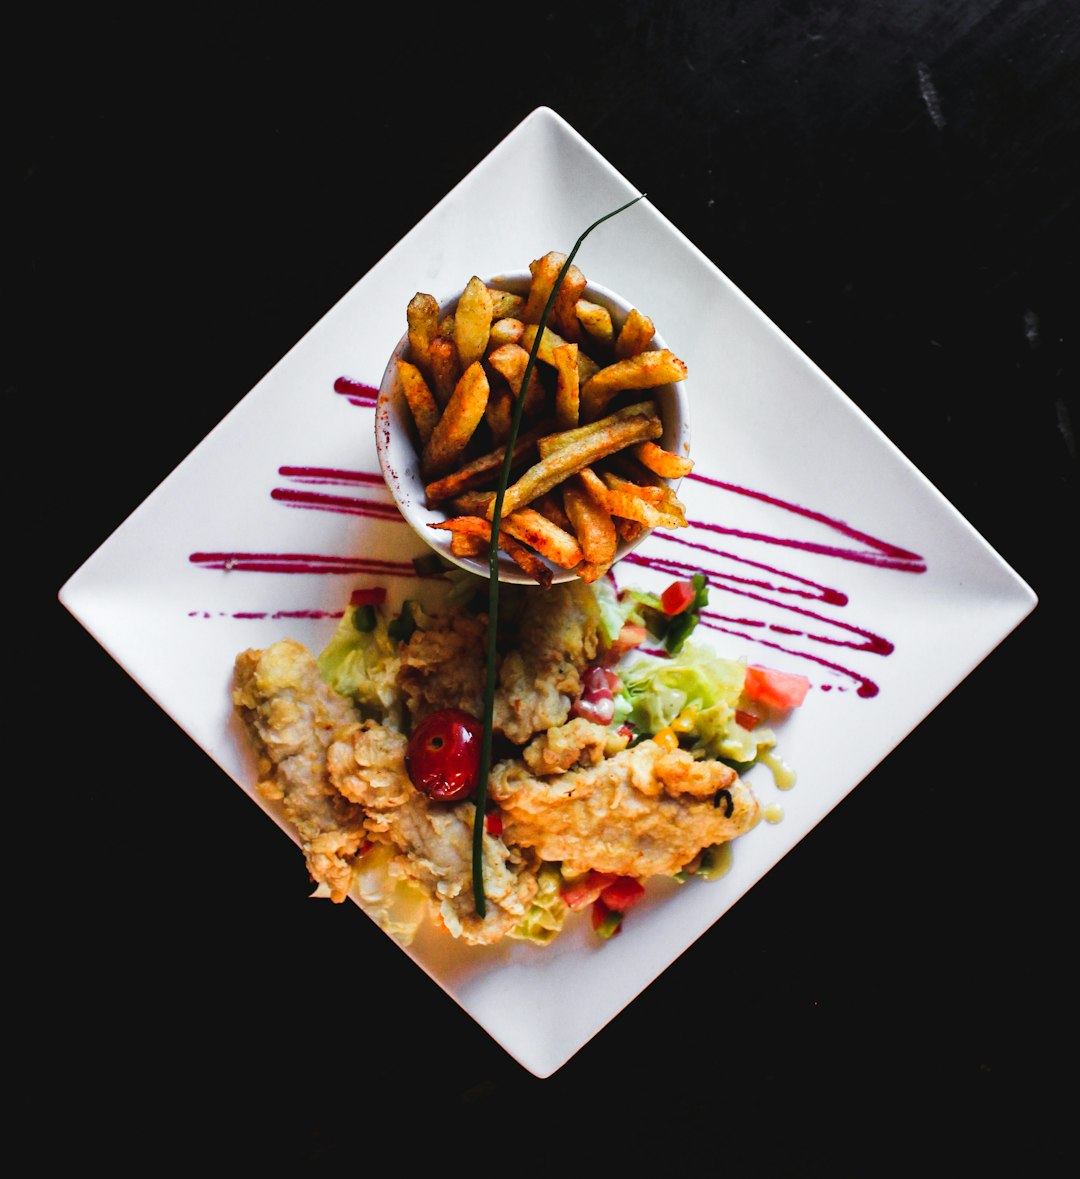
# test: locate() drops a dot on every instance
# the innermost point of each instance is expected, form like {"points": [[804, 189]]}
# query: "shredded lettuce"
{"points": [[548, 910], [701, 690], [615, 609], [363, 664]]}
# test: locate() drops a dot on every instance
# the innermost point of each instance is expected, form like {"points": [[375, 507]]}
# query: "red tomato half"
{"points": [[776, 689]]}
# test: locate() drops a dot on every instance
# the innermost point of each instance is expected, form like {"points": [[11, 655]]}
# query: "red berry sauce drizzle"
{"points": [[734, 576]]}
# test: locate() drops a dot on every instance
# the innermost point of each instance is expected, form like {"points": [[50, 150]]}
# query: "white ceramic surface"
{"points": [[399, 461], [826, 551]]}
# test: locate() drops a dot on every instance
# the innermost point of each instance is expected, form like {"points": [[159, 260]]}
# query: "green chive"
{"points": [[479, 896]]}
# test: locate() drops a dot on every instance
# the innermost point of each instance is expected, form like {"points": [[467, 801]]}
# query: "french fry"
{"points": [[551, 505], [596, 320], [563, 312], [593, 484], [422, 404], [505, 330], [548, 539], [472, 322], [422, 317], [465, 544], [664, 463], [549, 341], [592, 522], [567, 385], [625, 466], [624, 499], [505, 304], [511, 360], [455, 427], [635, 335], [588, 572], [445, 368], [545, 272], [628, 530], [549, 443], [605, 437], [524, 557], [485, 468], [470, 503], [646, 370], [499, 414]]}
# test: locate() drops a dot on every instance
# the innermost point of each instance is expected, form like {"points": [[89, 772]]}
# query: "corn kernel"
{"points": [[666, 738], [685, 721]]}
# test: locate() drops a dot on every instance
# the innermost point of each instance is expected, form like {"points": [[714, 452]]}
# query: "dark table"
{"points": [[895, 186]]}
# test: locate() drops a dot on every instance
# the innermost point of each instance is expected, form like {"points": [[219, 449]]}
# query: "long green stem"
{"points": [[479, 894]]}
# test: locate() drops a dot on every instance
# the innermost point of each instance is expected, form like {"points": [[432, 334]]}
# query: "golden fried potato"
{"points": [[458, 422], [472, 322]]}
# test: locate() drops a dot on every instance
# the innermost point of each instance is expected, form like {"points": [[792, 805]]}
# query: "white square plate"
{"points": [[827, 552]]}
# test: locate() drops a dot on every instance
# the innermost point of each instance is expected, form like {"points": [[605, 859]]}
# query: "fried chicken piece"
{"points": [[579, 742], [540, 676], [644, 812], [443, 664], [292, 717], [367, 766]]}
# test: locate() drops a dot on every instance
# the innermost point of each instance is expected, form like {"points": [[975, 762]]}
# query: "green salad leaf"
{"points": [[361, 661], [701, 690]]}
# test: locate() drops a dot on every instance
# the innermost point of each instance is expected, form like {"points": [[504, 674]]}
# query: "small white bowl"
{"points": [[400, 460]]}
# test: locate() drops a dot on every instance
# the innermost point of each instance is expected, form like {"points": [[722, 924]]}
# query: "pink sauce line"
{"points": [[357, 392], [882, 553], [306, 563], [319, 501], [875, 644], [814, 591], [333, 475]]}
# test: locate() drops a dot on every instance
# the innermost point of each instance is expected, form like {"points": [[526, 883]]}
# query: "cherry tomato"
{"points": [[443, 755]]}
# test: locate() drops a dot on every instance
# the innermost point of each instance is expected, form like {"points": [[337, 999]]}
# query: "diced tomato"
{"points": [[607, 922], [775, 689], [677, 597], [581, 893], [622, 894], [747, 719], [372, 596], [629, 637], [493, 824]]}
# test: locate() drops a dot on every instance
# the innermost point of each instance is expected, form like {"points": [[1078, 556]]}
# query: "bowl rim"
{"points": [[399, 459]]}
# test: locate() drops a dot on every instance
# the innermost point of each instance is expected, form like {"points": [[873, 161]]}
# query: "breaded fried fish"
{"points": [[646, 811], [292, 717], [539, 675], [367, 765]]}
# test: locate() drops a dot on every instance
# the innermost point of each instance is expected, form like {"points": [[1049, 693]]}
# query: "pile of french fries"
{"points": [[587, 470]]}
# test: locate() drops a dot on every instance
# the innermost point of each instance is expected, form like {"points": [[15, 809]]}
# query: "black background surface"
{"points": [[895, 185]]}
